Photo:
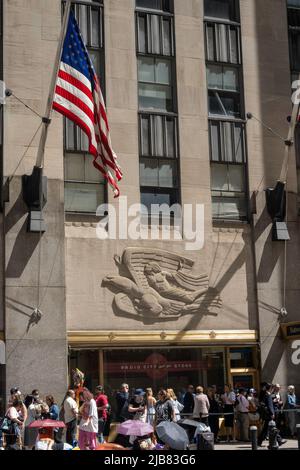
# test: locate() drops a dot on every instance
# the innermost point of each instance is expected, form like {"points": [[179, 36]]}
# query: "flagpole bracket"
{"points": [[289, 142], [46, 120]]}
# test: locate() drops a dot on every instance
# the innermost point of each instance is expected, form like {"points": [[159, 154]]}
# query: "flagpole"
{"points": [[47, 115]]}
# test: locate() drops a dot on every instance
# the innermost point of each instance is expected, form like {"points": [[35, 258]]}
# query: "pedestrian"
{"points": [[137, 407], [242, 408], [164, 410], [13, 414], [253, 407], [228, 399], [214, 412], [88, 426], [33, 413], [178, 407], [53, 413], [188, 401], [150, 402], [269, 415], [201, 406], [292, 414], [102, 407], [15, 394], [70, 408], [122, 399], [278, 406]]}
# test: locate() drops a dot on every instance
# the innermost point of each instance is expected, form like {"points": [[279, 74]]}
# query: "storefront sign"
{"points": [[155, 366], [291, 330]]}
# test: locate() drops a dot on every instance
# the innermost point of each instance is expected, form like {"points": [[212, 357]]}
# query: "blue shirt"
{"points": [[292, 400], [54, 412]]}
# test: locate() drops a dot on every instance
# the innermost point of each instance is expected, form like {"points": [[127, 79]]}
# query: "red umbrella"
{"points": [[47, 423]]}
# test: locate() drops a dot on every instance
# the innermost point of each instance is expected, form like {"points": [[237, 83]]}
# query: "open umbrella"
{"points": [[192, 427], [47, 423], [134, 428], [173, 435]]}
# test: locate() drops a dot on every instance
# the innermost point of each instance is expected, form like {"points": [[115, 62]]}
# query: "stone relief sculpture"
{"points": [[155, 285]]}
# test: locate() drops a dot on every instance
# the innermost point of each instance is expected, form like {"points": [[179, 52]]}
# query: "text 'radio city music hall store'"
{"points": [[167, 367]]}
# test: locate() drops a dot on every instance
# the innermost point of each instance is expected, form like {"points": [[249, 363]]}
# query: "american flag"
{"points": [[78, 96]]}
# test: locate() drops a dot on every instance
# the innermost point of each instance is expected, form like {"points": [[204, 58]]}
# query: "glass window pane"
{"points": [[167, 41], [234, 45], [238, 143], [167, 174], [149, 198], [219, 177], [142, 33], [222, 104], [229, 208], [83, 22], [158, 136], [230, 79], [83, 197], [225, 9], [155, 34], [163, 72], [95, 58], [146, 70], [145, 147], [74, 167], [155, 97], [210, 40], [92, 175], [227, 142], [171, 145], [149, 4], [236, 178], [214, 76], [223, 43], [95, 27], [148, 172], [215, 141], [84, 141], [70, 135]]}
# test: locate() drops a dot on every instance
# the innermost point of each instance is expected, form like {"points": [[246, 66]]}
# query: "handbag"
{"points": [[7, 426]]}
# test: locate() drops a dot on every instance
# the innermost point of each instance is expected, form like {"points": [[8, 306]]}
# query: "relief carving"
{"points": [[156, 285]]}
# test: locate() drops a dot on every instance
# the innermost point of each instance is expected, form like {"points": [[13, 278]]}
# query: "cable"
{"points": [[24, 154], [26, 105], [251, 116]]}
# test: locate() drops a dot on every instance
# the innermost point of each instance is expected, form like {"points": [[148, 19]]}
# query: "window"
{"points": [[162, 5], [155, 85], [158, 148], [221, 9], [294, 40], [225, 106], [84, 186], [155, 34], [223, 43]]}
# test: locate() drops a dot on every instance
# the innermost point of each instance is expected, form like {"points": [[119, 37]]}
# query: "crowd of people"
{"points": [[87, 418]]}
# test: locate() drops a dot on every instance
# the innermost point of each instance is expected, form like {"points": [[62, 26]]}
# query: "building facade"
{"points": [[179, 79]]}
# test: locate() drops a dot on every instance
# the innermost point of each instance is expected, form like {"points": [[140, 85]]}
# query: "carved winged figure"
{"points": [[156, 284]]}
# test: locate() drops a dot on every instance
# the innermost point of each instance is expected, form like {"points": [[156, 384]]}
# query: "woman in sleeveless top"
{"points": [[151, 402]]}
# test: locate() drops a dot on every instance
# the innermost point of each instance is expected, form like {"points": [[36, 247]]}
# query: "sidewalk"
{"points": [[291, 444]]}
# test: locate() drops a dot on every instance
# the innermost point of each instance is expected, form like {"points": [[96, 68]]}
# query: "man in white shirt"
{"points": [[70, 416], [243, 415]]}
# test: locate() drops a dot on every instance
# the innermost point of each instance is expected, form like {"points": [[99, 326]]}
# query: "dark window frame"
{"points": [[175, 191], [215, 23], [94, 4]]}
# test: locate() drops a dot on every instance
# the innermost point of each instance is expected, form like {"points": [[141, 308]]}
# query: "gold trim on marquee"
{"points": [[148, 338]]}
